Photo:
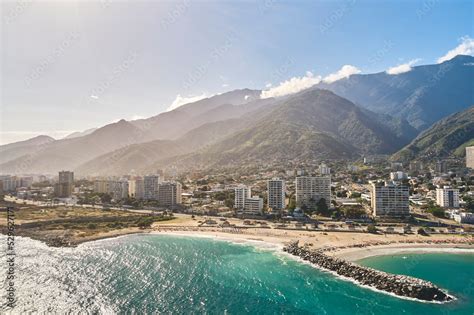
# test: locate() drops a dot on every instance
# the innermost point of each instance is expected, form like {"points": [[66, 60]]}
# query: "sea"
{"points": [[155, 274]]}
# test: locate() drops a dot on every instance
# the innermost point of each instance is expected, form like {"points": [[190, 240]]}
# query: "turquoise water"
{"points": [[169, 274]]}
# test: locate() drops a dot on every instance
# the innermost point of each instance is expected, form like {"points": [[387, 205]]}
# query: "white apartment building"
{"points": [[242, 192], [169, 194], [470, 157], [311, 189], [399, 175], [150, 187], [136, 188], [253, 206], [101, 186], [118, 189], [276, 194], [447, 197], [324, 169], [390, 200]]}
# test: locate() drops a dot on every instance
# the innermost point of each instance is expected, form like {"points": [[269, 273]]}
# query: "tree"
{"points": [[322, 208], [353, 212], [292, 203], [371, 229]]}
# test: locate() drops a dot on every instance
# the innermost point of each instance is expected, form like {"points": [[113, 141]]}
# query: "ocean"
{"points": [[143, 274]]}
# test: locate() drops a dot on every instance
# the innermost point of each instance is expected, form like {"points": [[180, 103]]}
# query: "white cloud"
{"points": [[268, 85], [345, 72], [225, 85], [405, 67], [465, 48], [181, 100], [292, 85], [137, 117]]}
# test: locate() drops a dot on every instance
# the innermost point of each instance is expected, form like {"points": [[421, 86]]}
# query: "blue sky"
{"points": [[69, 66]]}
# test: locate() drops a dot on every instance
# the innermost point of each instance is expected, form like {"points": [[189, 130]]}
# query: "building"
{"points": [[150, 187], [101, 186], [136, 188], [416, 166], [324, 169], [276, 194], [65, 184], [441, 167], [470, 157], [118, 189], [169, 194], [9, 183], [464, 217], [253, 206], [242, 192], [309, 190], [397, 176], [26, 181], [390, 200], [447, 197]]}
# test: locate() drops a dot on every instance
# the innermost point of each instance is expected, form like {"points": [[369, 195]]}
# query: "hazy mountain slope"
{"points": [[173, 124], [80, 133], [422, 96], [68, 153], [15, 150], [309, 125], [136, 157], [447, 137]]}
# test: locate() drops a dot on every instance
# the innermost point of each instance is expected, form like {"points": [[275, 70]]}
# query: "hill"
{"points": [[447, 137]]}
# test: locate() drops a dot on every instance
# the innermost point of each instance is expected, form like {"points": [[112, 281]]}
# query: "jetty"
{"points": [[403, 286]]}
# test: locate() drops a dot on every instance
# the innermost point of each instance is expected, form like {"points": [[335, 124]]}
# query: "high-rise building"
{"points": [[150, 187], [470, 157], [276, 194], [65, 184], [399, 175], [324, 169], [136, 188], [118, 189], [101, 186], [390, 200], [447, 197], [441, 167], [309, 190], [242, 192], [9, 183], [253, 206], [169, 194], [416, 166]]}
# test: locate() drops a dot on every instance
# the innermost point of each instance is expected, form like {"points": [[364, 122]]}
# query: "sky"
{"points": [[73, 65]]}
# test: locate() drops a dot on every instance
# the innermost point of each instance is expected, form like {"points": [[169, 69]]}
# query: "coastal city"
{"points": [[368, 195], [237, 157]]}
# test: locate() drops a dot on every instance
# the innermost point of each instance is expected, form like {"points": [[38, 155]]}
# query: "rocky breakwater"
{"points": [[403, 286]]}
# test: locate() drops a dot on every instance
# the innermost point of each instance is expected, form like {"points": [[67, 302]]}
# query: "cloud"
{"points": [[268, 85], [181, 100], [345, 72], [405, 67], [292, 85], [465, 48], [225, 85]]}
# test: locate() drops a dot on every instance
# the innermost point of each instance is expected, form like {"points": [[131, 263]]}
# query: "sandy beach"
{"points": [[350, 246]]}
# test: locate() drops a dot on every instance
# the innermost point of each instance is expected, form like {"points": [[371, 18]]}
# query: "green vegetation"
{"points": [[372, 229]]}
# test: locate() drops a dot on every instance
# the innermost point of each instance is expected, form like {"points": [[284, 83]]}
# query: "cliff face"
{"points": [[397, 284]]}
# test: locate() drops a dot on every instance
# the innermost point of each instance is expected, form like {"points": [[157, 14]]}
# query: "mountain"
{"points": [[75, 151], [67, 153], [422, 96], [447, 137], [12, 151], [313, 124], [78, 134], [173, 124]]}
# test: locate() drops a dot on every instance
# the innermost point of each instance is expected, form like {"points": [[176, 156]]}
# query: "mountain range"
{"points": [[362, 114], [448, 137]]}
